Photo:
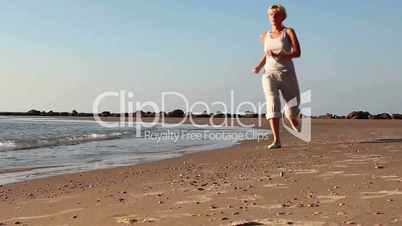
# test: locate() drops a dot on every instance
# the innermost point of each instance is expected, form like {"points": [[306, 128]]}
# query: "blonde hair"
{"points": [[280, 9]]}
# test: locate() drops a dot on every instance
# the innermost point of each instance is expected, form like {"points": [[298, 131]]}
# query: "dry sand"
{"points": [[350, 174]]}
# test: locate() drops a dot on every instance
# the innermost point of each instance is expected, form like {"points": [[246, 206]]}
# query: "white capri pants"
{"points": [[286, 82]]}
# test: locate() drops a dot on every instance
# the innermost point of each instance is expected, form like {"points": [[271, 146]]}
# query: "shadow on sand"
{"points": [[249, 224], [382, 141]]}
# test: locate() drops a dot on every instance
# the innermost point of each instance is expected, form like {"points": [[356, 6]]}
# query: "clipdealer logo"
{"points": [[130, 113]]}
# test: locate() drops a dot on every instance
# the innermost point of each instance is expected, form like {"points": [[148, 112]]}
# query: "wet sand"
{"points": [[350, 174]]}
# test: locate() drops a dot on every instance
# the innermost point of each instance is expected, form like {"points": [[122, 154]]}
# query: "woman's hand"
{"points": [[281, 54], [257, 69], [273, 54], [260, 65], [285, 54]]}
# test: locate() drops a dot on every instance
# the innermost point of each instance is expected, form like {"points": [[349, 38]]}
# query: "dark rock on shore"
{"points": [[33, 112], [358, 115], [381, 116], [106, 114], [219, 115], [396, 116], [176, 113], [250, 114], [180, 114], [330, 116]]}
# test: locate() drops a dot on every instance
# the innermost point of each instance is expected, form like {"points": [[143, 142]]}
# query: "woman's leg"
{"points": [[291, 93], [274, 123], [273, 114], [295, 121]]}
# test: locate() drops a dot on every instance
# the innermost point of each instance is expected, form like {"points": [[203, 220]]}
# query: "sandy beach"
{"points": [[350, 174]]}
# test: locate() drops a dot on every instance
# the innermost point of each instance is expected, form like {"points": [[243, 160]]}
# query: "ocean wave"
{"points": [[13, 145], [7, 145], [51, 119]]}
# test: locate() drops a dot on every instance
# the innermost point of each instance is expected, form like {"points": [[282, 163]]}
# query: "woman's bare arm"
{"points": [[295, 50], [261, 64]]}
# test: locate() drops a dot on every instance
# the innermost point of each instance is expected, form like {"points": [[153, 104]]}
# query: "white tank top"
{"points": [[278, 44]]}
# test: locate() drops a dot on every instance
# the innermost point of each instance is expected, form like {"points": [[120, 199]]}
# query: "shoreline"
{"points": [[24, 173], [329, 180]]}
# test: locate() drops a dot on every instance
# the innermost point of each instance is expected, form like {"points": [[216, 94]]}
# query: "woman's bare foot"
{"points": [[275, 145], [294, 124]]}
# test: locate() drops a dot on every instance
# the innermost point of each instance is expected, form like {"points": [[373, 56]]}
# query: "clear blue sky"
{"points": [[60, 54]]}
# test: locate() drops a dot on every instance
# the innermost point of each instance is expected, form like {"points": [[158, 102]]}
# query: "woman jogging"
{"points": [[280, 47]]}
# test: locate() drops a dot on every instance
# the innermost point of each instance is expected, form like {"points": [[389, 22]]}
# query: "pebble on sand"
{"points": [[126, 220]]}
